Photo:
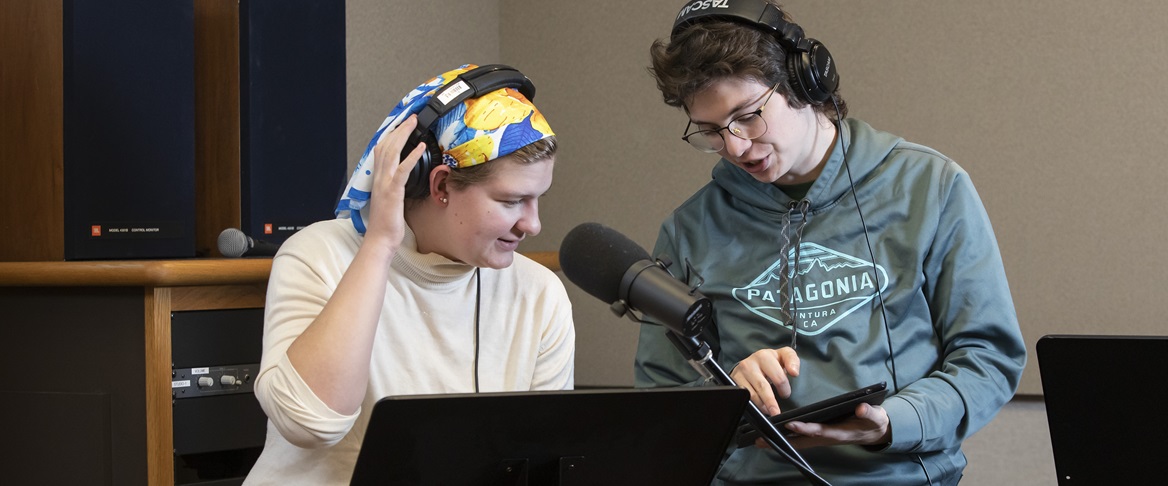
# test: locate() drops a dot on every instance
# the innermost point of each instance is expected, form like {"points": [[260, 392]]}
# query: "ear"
{"points": [[438, 176]]}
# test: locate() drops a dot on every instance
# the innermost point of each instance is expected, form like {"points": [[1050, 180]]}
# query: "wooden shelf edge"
{"points": [[161, 273], [147, 273]]}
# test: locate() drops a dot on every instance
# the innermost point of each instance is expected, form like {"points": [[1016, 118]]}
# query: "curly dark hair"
{"points": [[711, 50]]}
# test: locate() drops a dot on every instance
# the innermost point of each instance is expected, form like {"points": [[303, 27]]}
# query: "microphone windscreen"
{"points": [[596, 257], [233, 243]]}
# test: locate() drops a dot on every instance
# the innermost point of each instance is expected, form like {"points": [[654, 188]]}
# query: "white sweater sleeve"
{"points": [[300, 416], [296, 294]]}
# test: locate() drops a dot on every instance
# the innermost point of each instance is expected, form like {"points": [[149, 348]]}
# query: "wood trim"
{"points": [[159, 398], [32, 147], [217, 297], [217, 131], [162, 273], [132, 273]]}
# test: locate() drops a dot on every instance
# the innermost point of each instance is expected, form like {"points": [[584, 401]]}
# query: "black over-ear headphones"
{"points": [[471, 84], [813, 73]]}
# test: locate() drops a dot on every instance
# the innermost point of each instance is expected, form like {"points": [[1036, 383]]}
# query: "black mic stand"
{"points": [[701, 357]]}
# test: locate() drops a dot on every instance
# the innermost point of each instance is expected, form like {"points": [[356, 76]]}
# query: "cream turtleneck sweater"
{"points": [[424, 344]]}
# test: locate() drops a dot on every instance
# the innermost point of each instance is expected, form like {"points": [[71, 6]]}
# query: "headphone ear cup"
{"points": [[813, 72], [418, 183]]}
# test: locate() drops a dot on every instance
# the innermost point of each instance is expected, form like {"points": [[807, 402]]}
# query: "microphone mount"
{"points": [[648, 287], [621, 307], [700, 356], [645, 290]]}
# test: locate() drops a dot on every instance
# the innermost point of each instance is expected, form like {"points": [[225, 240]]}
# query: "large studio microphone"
{"points": [[235, 243], [616, 270]]}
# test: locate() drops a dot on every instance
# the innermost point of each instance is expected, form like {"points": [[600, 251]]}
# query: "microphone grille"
{"points": [[596, 257], [232, 243]]}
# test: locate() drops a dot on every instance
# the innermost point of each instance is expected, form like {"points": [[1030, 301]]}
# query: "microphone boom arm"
{"points": [[645, 286], [701, 357]]}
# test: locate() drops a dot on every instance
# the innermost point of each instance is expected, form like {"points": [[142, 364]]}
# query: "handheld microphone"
{"points": [[614, 269], [235, 243]]}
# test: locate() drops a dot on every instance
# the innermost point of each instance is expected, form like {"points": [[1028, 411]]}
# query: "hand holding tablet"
{"points": [[825, 411]]}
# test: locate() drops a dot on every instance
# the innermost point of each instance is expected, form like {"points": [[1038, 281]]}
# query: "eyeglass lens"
{"points": [[747, 127]]}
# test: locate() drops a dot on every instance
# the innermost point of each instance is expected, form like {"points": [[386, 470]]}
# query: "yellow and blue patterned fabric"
{"points": [[476, 131]]}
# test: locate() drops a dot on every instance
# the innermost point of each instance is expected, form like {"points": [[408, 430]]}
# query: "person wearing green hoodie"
{"points": [[836, 256]]}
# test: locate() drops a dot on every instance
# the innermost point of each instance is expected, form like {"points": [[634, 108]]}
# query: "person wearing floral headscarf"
{"points": [[405, 296]]}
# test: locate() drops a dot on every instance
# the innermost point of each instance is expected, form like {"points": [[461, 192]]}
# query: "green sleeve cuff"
{"points": [[905, 423]]}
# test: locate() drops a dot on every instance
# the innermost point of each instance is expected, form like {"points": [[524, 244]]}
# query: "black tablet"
{"points": [[825, 411]]}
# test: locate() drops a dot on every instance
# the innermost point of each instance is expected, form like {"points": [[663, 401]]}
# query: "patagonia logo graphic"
{"points": [[828, 286]]}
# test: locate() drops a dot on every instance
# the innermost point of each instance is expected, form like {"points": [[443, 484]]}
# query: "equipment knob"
{"points": [[227, 380], [206, 381]]}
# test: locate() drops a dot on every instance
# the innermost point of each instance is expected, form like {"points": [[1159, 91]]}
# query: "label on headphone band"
{"points": [[698, 5], [456, 88]]}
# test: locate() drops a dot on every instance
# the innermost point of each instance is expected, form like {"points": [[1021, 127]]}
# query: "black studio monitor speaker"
{"points": [[293, 141], [128, 129]]}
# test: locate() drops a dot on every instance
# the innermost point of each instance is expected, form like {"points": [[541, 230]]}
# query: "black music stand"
{"points": [[1103, 397], [675, 436]]}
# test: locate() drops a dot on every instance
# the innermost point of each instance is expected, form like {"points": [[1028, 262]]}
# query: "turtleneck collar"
{"points": [[430, 270]]}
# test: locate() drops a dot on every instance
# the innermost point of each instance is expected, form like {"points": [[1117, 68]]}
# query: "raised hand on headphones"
{"points": [[333, 354], [387, 200]]}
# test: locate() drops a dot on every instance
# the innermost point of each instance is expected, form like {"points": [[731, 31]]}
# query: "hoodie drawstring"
{"points": [[789, 272]]}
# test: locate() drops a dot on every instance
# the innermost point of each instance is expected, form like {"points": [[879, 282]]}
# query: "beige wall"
{"points": [[394, 45], [1052, 106]]}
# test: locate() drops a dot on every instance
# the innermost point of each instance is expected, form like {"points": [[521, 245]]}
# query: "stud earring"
{"points": [[444, 201]]}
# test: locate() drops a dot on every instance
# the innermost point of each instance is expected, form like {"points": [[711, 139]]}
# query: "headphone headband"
{"points": [[756, 13], [812, 71], [473, 84]]}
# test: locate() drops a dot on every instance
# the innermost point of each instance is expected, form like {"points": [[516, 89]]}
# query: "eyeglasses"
{"points": [[748, 126]]}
